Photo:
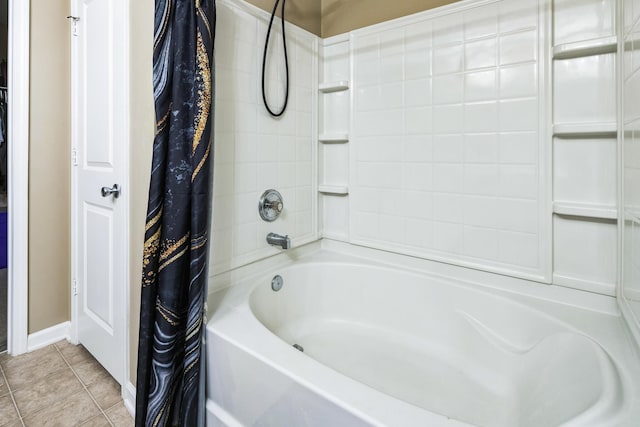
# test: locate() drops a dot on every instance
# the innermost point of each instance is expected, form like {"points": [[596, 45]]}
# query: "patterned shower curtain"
{"points": [[170, 379]]}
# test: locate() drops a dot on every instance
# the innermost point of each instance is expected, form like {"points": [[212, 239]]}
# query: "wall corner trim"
{"points": [[48, 336], [129, 398], [18, 171]]}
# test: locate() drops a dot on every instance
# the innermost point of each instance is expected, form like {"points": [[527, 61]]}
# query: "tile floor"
{"points": [[59, 385]]}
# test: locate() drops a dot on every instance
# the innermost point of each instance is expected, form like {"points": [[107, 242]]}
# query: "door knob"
{"points": [[115, 191]]}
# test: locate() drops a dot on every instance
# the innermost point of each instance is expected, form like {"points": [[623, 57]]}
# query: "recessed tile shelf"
{"points": [[337, 190], [585, 210], [591, 47], [569, 130], [338, 86], [334, 138]]}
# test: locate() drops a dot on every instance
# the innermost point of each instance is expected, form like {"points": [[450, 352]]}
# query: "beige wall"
{"points": [[49, 178], [341, 16], [303, 13], [142, 132]]}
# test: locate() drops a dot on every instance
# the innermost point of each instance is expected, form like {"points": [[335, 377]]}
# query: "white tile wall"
{"points": [[583, 20], [631, 155], [583, 250], [446, 138], [585, 89], [585, 171], [254, 152]]}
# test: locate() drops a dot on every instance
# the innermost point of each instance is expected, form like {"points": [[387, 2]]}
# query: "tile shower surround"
{"points": [[447, 150], [255, 152], [446, 138], [444, 149]]}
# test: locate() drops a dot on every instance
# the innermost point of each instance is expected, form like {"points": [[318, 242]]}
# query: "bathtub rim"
{"points": [[242, 282], [512, 287]]}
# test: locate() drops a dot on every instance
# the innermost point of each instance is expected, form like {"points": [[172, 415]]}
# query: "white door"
{"points": [[99, 143]]}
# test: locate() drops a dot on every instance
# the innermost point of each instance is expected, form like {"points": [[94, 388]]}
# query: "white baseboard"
{"points": [[48, 336], [129, 398]]}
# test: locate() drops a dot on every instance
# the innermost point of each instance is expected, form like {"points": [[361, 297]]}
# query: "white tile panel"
{"points": [[481, 23], [416, 204], [518, 181], [480, 54], [480, 86], [448, 118], [517, 15], [519, 115], [417, 93], [481, 242], [418, 176], [448, 59], [519, 81], [481, 117], [481, 179], [481, 148], [585, 250], [462, 151], [448, 177], [417, 148], [448, 29], [518, 147], [417, 121], [583, 20], [585, 90], [518, 248], [448, 207], [448, 237], [518, 47], [448, 148], [585, 171], [253, 151], [448, 89]]}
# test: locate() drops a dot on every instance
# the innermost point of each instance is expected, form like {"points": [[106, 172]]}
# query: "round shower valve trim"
{"points": [[270, 205]]}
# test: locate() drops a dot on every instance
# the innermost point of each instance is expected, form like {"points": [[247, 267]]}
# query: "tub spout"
{"points": [[277, 240]]}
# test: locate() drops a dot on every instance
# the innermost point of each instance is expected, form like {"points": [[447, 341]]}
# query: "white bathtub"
{"points": [[392, 345]]}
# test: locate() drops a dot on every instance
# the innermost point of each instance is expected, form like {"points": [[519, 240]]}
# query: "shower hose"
{"points": [[286, 61]]}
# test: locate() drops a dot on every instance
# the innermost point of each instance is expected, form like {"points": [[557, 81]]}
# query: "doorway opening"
{"points": [[4, 36]]}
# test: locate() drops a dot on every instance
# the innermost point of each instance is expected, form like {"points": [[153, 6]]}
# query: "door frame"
{"points": [[18, 174], [122, 108]]}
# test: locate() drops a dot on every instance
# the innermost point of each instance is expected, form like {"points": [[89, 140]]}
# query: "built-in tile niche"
{"points": [[333, 137], [585, 144]]}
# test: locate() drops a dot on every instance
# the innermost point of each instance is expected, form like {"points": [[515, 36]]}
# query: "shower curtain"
{"points": [[170, 374]]}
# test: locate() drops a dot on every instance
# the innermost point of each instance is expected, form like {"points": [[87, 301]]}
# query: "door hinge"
{"points": [[74, 287], [74, 157], [74, 24]]}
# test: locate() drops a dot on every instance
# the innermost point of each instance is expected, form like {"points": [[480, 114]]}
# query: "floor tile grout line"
{"points": [[45, 377], [83, 385], [13, 400]]}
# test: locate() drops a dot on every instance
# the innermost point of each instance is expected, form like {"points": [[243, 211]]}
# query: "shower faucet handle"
{"points": [[270, 205], [276, 205]]}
